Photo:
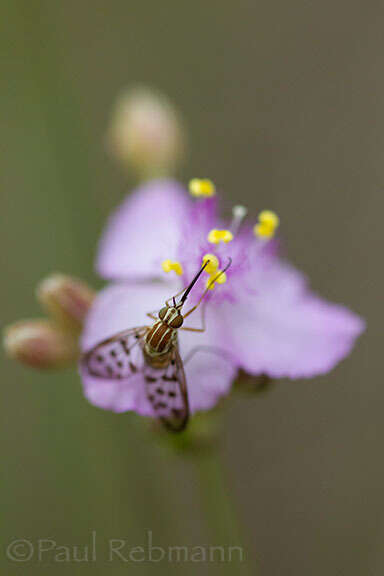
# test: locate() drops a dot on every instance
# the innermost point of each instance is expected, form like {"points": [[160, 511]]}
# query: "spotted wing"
{"points": [[117, 357], [167, 392]]}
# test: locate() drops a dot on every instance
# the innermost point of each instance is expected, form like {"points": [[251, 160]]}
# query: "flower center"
{"points": [[215, 271]]}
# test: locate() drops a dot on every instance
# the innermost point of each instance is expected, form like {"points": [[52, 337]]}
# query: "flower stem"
{"points": [[224, 528], [198, 451]]}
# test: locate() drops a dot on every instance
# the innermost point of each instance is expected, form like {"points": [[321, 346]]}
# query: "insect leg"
{"points": [[203, 325], [152, 315], [196, 305], [175, 296]]}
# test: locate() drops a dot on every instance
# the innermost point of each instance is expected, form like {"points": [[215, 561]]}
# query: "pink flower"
{"points": [[263, 319]]}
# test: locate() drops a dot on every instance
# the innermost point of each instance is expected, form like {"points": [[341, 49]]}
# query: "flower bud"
{"points": [[67, 300], [146, 133], [39, 344]]}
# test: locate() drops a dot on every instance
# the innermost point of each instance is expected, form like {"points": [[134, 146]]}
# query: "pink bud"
{"points": [[146, 133], [39, 344], [67, 300]]}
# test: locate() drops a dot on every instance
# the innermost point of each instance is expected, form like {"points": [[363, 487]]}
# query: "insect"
{"points": [[153, 351]]}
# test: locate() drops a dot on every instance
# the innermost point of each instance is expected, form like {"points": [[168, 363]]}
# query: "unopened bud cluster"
{"points": [[52, 342]]}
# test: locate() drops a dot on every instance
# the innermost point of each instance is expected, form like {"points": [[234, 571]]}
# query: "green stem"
{"points": [[221, 515]]}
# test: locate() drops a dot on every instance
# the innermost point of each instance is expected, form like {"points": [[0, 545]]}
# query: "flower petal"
{"points": [[283, 330], [145, 230], [117, 396], [209, 374], [209, 370], [121, 306]]}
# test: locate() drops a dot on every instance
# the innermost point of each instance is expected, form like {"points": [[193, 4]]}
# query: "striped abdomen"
{"points": [[159, 338]]}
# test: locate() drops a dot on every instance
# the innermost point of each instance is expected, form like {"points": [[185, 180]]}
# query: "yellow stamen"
{"points": [[216, 278], [267, 225], [168, 266], [201, 188], [213, 265], [217, 236]]}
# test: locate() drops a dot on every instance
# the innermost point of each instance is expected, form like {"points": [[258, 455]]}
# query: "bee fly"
{"points": [[153, 352]]}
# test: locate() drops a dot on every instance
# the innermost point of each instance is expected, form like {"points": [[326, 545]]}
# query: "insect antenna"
{"points": [[195, 279], [211, 283]]}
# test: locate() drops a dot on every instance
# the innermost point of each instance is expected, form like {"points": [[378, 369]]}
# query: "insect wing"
{"points": [[167, 392], [117, 357]]}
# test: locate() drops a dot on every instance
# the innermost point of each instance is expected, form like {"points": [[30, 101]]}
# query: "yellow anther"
{"points": [[201, 188], [216, 278], [267, 225], [217, 236], [269, 217], [168, 266], [213, 265]]}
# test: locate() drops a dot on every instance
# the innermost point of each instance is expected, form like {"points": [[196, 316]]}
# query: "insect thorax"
{"points": [[159, 339]]}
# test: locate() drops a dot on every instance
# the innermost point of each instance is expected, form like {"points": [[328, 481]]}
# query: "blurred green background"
{"points": [[284, 102]]}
